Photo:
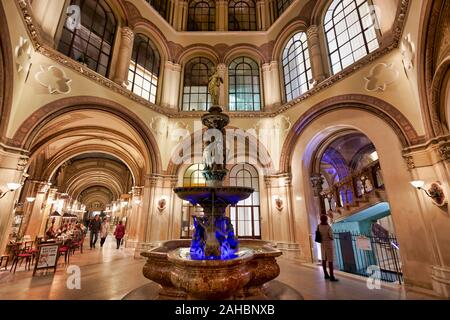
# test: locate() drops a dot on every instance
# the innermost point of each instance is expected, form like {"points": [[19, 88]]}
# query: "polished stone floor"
{"points": [[107, 273]]}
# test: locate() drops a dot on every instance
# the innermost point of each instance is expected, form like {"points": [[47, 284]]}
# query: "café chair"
{"points": [[65, 250], [4, 258], [18, 256]]}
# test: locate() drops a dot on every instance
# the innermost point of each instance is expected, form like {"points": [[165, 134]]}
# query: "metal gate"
{"points": [[358, 253]]}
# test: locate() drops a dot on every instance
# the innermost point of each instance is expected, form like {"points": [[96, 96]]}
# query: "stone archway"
{"points": [[6, 74], [403, 200], [30, 128], [397, 122]]}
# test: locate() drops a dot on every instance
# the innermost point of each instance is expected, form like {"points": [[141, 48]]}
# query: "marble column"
{"points": [[12, 166], [124, 58], [133, 219], [42, 10], [221, 15], [171, 85], [47, 210], [34, 209], [317, 182], [315, 52], [271, 81], [281, 218], [181, 15], [431, 164], [262, 15], [223, 73], [272, 11]]}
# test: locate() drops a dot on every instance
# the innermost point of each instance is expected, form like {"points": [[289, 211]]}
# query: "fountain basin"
{"points": [[220, 196], [181, 277]]}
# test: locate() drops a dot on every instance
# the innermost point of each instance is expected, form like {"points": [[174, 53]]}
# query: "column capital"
{"points": [[169, 65], [278, 180], [221, 69], [127, 33], [312, 31], [137, 191], [40, 186], [268, 66], [444, 151], [316, 182]]}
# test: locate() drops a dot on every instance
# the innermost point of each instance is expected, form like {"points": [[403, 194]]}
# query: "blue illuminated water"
{"points": [[224, 235]]}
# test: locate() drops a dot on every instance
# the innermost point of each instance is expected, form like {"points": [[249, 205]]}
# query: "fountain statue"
{"points": [[214, 264]]}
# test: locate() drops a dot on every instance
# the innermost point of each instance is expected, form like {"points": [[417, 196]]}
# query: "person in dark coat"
{"points": [[95, 227], [119, 233]]}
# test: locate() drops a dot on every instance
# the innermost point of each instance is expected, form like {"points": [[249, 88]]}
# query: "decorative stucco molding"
{"points": [[408, 52], [221, 51], [54, 79], [380, 77], [23, 55], [409, 162]]}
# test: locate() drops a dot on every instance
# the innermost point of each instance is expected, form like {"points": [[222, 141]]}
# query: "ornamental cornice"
{"points": [[51, 53]]}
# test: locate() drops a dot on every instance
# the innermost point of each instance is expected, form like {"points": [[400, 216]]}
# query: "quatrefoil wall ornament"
{"points": [[380, 77], [23, 55], [54, 79]]}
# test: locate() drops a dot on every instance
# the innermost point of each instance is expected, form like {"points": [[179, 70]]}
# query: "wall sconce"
{"points": [[30, 199], [435, 191], [162, 203], [11, 188], [279, 205]]}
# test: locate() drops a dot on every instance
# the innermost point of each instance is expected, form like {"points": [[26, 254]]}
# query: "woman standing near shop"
{"points": [[327, 247], [104, 230], [119, 233]]}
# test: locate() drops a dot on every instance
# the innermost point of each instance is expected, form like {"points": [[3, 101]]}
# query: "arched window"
{"points": [[282, 5], [193, 177], [91, 41], [241, 15], [244, 91], [144, 68], [246, 215], [350, 31], [296, 66], [196, 77], [201, 15], [161, 6]]}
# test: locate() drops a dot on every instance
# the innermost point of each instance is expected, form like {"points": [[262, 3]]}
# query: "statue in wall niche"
{"points": [[214, 87]]}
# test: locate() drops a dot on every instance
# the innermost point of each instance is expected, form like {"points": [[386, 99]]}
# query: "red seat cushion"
{"points": [[24, 255], [63, 249]]}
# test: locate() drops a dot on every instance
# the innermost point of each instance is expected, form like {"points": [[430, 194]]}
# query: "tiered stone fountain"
{"points": [[214, 264]]}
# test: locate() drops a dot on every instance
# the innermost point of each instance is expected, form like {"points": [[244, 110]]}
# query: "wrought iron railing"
{"points": [[368, 256]]}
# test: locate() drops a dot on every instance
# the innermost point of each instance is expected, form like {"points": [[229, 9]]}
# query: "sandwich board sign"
{"points": [[47, 257]]}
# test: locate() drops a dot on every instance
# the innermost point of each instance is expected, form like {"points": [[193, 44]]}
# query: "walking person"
{"points": [[119, 233], [104, 230], [327, 247], [94, 226]]}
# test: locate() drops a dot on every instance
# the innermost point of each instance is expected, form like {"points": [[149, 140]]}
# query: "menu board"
{"points": [[47, 257]]}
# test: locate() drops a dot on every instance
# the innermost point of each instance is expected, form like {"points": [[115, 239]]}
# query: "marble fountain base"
{"points": [[250, 276]]}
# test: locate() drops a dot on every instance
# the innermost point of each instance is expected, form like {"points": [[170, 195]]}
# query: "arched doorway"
{"points": [[310, 132], [350, 188], [95, 156]]}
